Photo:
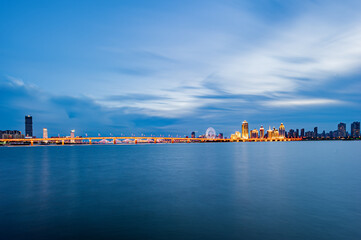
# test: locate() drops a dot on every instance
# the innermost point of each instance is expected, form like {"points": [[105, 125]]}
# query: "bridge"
{"points": [[133, 140]]}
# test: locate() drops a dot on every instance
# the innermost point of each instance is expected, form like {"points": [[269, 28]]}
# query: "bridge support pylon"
{"points": [[62, 142], [32, 143]]}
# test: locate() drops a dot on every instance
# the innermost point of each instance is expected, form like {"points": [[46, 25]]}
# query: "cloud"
{"points": [[302, 102], [196, 65], [264, 59]]}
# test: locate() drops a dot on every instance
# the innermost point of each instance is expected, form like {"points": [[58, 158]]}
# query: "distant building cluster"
{"points": [[340, 133], [11, 134], [272, 134]]}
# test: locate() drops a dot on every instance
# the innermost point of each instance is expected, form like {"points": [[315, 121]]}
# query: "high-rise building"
{"points": [[28, 126], [275, 133], [315, 132], [341, 130], [72, 135], [297, 133], [254, 133], [355, 129], [302, 132], [193, 135], [45, 133], [245, 132], [282, 131], [269, 133], [291, 133], [220, 135], [261, 132]]}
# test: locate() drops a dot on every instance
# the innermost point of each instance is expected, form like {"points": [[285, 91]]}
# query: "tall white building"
{"points": [[72, 135], [45, 133]]}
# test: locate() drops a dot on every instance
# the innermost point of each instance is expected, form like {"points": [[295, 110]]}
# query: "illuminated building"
{"points": [[315, 132], [72, 135], [297, 133], [45, 133], [220, 135], [275, 133], [193, 135], [282, 131], [261, 132], [341, 130], [355, 129], [28, 126], [236, 136], [269, 133], [245, 131], [254, 133]]}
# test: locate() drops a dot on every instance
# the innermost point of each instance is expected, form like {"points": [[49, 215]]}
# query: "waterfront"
{"points": [[264, 190]]}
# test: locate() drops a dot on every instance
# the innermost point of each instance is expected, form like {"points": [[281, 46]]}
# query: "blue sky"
{"points": [[172, 67]]}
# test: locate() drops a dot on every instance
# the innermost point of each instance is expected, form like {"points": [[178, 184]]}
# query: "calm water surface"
{"points": [[284, 190]]}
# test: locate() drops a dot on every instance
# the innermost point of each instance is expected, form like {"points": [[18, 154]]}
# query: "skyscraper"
{"points": [[282, 131], [28, 126], [341, 130], [269, 133], [315, 132], [45, 133], [254, 133], [193, 135], [261, 132], [355, 129], [245, 132], [72, 135], [302, 132]]}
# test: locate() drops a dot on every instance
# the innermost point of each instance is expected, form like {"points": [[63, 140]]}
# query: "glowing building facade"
{"points": [[72, 135], [272, 134], [45, 133], [261, 132], [269, 133], [282, 131], [245, 131], [254, 133]]}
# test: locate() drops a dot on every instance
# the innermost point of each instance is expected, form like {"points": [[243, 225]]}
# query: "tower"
{"points": [[261, 132], [342, 130], [282, 131], [28, 126], [245, 131], [45, 133], [355, 129]]}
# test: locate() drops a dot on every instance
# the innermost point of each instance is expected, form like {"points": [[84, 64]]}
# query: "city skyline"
{"points": [[177, 67], [244, 133]]}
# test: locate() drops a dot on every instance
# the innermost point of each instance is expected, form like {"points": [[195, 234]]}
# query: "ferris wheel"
{"points": [[210, 133]]}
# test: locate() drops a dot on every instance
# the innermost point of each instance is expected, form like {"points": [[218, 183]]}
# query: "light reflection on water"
{"points": [[283, 190]]}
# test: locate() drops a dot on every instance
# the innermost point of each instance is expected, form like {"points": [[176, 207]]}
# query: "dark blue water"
{"points": [[283, 190]]}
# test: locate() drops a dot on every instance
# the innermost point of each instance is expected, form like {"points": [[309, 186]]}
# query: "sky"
{"points": [[173, 67]]}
